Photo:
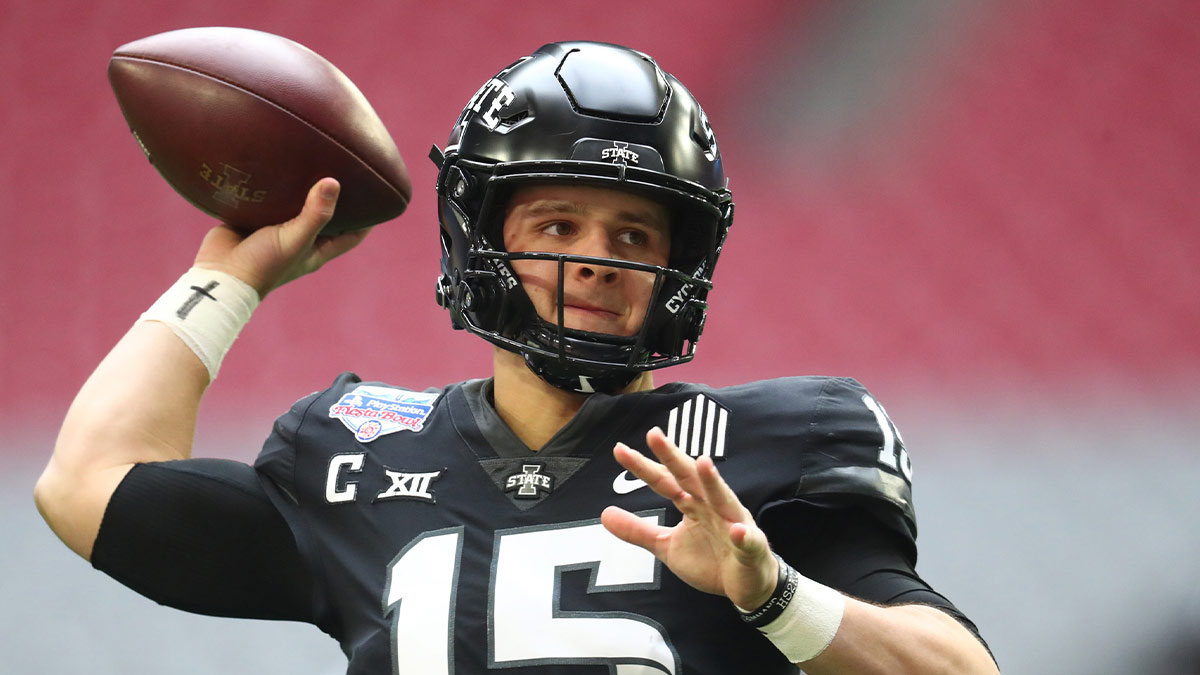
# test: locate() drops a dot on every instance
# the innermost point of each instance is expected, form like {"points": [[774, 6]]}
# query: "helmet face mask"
{"points": [[580, 114]]}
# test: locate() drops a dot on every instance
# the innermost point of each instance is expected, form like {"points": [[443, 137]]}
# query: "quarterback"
{"points": [[563, 515]]}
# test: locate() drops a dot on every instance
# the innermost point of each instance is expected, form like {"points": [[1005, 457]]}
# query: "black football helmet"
{"points": [[584, 113]]}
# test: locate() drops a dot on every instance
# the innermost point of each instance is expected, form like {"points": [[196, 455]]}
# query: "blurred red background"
{"points": [[986, 202]]}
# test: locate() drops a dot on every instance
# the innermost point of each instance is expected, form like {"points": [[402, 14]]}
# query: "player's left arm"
{"points": [[718, 548]]}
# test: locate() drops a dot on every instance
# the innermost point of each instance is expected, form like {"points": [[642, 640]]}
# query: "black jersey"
{"points": [[439, 543]]}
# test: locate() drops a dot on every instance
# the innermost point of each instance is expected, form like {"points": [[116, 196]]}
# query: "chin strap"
{"points": [[576, 379], [573, 373]]}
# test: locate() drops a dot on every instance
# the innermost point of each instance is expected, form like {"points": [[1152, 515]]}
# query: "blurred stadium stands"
{"points": [[979, 209]]}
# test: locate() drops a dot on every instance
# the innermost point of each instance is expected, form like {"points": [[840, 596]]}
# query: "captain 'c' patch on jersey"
{"points": [[373, 411]]}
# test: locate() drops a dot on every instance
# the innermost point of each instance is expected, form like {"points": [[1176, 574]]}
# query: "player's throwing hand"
{"points": [[717, 547], [272, 256]]}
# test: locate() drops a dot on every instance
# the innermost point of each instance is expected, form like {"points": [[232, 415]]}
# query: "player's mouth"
{"points": [[594, 310], [594, 318]]}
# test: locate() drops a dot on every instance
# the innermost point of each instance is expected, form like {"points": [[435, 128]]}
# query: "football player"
{"points": [[563, 515]]}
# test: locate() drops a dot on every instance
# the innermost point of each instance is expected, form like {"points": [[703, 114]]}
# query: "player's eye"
{"points": [[558, 228], [633, 238]]}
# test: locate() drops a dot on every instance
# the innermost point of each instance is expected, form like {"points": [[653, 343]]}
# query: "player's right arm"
{"points": [[140, 403]]}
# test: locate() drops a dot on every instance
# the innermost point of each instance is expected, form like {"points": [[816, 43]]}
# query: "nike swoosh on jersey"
{"points": [[623, 484]]}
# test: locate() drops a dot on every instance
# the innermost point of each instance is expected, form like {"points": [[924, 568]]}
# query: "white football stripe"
{"points": [[684, 417], [720, 451], [708, 427], [697, 415]]}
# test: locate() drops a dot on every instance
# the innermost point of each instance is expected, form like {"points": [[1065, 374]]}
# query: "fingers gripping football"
{"points": [[272, 256], [716, 547]]}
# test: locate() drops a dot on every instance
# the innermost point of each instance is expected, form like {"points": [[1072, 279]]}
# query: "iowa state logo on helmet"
{"points": [[373, 411]]}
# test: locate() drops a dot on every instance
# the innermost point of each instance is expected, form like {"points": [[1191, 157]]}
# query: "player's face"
{"points": [[590, 221]]}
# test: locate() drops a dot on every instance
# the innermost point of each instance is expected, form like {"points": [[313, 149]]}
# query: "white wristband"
{"points": [[803, 615], [206, 309]]}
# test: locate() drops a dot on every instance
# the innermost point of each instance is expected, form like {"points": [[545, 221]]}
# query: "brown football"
{"points": [[242, 123]]}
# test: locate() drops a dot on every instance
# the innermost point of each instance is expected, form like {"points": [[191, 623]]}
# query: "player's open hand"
{"points": [[717, 547], [272, 256]]}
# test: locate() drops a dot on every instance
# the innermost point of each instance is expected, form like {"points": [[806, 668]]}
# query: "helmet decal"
{"points": [[490, 100]]}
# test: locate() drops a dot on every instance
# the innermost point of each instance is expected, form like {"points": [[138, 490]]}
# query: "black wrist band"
{"points": [[785, 590]]}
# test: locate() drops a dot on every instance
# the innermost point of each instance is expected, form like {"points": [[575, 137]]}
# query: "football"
{"points": [[242, 123]]}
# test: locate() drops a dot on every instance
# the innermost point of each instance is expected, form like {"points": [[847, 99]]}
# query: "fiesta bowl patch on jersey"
{"points": [[372, 411]]}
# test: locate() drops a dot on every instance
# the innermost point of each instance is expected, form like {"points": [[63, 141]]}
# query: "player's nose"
{"points": [[597, 244]]}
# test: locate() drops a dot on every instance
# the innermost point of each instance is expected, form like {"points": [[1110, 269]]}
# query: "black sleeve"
{"points": [[201, 535], [851, 550]]}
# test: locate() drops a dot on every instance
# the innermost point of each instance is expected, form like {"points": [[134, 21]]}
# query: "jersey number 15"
{"points": [[525, 624]]}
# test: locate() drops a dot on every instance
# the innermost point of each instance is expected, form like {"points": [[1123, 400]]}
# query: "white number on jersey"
{"points": [[892, 454], [525, 624]]}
